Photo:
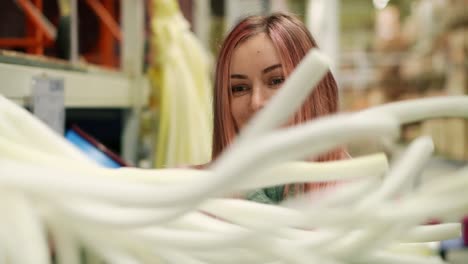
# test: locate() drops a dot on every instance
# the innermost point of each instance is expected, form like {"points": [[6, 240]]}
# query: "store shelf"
{"points": [[83, 89]]}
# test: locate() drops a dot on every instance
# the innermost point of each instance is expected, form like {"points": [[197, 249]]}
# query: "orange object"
{"points": [[33, 12], [104, 13], [35, 29], [35, 33], [18, 42], [40, 33], [109, 31]]}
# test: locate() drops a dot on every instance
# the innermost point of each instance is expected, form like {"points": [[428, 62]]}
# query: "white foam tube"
{"points": [[408, 167], [115, 240], [187, 239], [343, 194], [397, 209], [115, 257], [245, 159], [368, 227], [26, 239], [3, 245], [202, 221], [9, 131], [22, 152], [409, 111], [48, 140], [309, 139], [361, 167], [232, 256], [116, 216], [289, 98], [417, 234], [65, 243], [431, 233], [371, 166], [415, 208], [383, 257], [403, 172], [458, 181], [245, 212], [448, 234], [172, 256]]}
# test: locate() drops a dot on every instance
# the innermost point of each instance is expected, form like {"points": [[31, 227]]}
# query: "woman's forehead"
{"points": [[257, 52]]}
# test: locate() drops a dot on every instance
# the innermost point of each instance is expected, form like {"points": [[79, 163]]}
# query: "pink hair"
{"points": [[292, 41]]}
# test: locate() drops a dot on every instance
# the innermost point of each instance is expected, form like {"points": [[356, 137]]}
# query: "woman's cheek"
{"points": [[236, 112]]}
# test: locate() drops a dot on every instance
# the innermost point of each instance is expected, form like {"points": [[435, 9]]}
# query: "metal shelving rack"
{"points": [[82, 89], [95, 87]]}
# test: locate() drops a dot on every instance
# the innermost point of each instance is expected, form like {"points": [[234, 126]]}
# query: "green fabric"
{"points": [[274, 195], [271, 195]]}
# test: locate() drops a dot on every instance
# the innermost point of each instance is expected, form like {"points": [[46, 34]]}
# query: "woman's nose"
{"points": [[258, 99]]}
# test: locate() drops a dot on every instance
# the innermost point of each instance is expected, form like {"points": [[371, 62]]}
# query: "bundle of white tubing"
{"points": [[131, 215]]}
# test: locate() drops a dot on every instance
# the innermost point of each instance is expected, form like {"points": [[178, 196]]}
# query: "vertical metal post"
{"points": [[133, 25], [74, 49], [201, 21]]}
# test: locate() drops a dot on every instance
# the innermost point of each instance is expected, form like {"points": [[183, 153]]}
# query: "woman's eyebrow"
{"points": [[272, 67], [238, 76]]}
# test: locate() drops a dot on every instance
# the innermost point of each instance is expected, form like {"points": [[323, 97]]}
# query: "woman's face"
{"points": [[256, 75]]}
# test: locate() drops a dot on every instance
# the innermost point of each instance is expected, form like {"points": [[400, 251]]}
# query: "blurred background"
{"points": [[113, 59]]}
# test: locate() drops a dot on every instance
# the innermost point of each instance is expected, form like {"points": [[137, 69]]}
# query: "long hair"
{"points": [[292, 41]]}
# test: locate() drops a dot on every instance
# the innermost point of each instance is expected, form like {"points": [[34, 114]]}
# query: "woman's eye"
{"points": [[236, 89], [276, 81]]}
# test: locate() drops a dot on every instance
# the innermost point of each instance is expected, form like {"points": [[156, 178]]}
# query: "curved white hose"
{"points": [[26, 237], [372, 166], [431, 233], [361, 167], [66, 245], [48, 141], [409, 111], [382, 257], [244, 161], [310, 139], [262, 230], [287, 100], [403, 172]]}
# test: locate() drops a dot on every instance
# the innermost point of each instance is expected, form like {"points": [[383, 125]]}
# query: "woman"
{"points": [[254, 60]]}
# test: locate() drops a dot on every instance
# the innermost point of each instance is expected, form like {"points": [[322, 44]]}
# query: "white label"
{"points": [[48, 102]]}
